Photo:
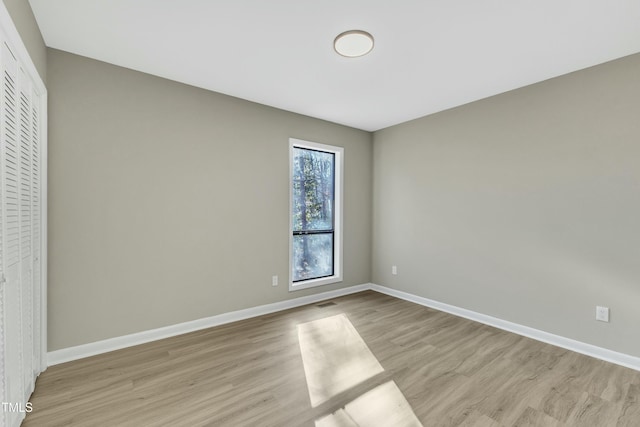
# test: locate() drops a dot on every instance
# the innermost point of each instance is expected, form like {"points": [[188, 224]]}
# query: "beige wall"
{"points": [[25, 22], [524, 206], [170, 203]]}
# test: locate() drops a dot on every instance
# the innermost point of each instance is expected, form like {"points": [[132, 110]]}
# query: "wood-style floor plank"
{"points": [[451, 371]]}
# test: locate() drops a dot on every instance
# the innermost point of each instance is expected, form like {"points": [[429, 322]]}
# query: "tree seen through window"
{"points": [[313, 213]]}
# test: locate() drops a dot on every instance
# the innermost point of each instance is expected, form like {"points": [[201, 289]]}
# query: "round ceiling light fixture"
{"points": [[353, 43]]}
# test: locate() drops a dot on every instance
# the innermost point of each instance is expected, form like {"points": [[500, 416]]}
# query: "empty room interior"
{"points": [[321, 214]]}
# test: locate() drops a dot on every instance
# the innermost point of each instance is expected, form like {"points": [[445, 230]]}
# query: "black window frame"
{"points": [[330, 231]]}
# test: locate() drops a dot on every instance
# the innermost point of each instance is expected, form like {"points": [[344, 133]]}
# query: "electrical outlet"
{"points": [[602, 313], [394, 270], [274, 280]]}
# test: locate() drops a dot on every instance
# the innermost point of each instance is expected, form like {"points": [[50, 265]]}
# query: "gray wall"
{"points": [[170, 203], [25, 22], [524, 206]]}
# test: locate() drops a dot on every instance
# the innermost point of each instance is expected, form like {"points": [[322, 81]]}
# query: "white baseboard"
{"points": [[546, 337], [86, 350], [111, 344]]}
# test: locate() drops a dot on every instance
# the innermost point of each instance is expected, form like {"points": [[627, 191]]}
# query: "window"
{"points": [[316, 214]]}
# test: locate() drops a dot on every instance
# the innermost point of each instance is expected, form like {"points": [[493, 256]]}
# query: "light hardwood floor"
{"points": [[451, 371]]}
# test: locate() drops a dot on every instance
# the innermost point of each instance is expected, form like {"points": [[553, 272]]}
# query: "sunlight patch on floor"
{"points": [[383, 405], [336, 359]]}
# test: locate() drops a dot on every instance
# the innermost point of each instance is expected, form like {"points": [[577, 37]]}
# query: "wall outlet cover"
{"points": [[602, 313]]}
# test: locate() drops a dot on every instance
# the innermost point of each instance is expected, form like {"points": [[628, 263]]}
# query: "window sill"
{"points": [[312, 283]]}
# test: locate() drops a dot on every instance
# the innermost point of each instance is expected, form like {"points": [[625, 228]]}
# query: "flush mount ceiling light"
{"points": [[353, 43]]}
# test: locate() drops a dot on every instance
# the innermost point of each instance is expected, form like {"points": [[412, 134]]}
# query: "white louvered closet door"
{"points": [[22, 224], [3, 396], [26, 260], [14, 372], [36, 226]]}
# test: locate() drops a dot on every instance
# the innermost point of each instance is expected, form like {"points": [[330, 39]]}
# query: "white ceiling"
{"points": [[429, 55]]}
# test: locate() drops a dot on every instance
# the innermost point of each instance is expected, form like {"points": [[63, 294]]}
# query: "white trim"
{"points": [[338, 209], [536, 334], [104, 346], [44, 215], [111, 344]]}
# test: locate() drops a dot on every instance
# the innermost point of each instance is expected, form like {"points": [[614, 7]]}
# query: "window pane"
{"points": [[313, 180], [312, 256]]}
